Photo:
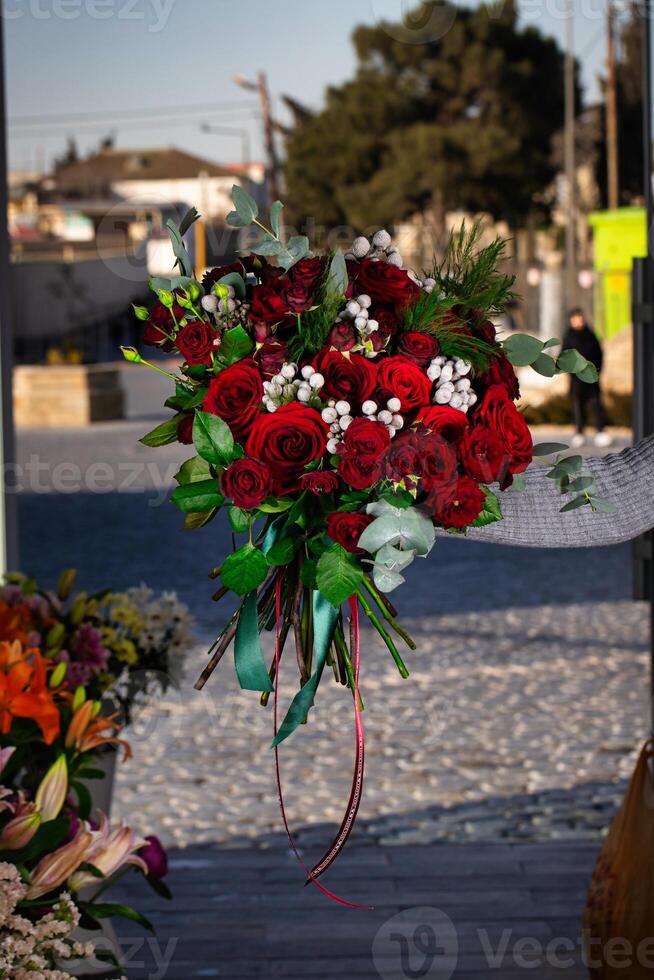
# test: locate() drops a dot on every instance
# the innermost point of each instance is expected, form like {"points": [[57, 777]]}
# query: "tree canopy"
{"points": [[464, 120]]}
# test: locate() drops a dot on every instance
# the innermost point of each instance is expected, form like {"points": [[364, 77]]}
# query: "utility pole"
{"points": [[8, 526], [611, 111], [570, 164], [272, 162]]}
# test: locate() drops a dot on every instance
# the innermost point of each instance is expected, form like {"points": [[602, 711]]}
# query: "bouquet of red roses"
{"points": [[341, 409]]}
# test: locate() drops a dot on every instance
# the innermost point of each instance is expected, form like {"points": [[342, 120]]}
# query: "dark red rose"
{"points": [[269, 303], [307, 272], [498, 412], [448, 422], [403, 458], [185, 429], [319, 481], [437, 463], [350, 377], [270, 356], [155, 857], [197, 342], [299, 298], [388, 326], [485, 329], [417, 346], [235, 396], [465, 505], [249, 263], [483, 454], [160, 326], [247, 482], [364, 447], [342, 337], [346, 529], [500, 372], [385, 283], [398, 377], [287, 440]]}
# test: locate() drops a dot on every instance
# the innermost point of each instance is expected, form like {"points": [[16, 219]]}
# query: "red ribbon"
{"points": [[358, 779]]}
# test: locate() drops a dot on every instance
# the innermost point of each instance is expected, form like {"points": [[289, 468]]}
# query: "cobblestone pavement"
{"points": [[521, 719]]}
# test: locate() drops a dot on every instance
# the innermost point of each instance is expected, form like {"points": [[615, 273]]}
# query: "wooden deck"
{"points": [[244, 913]]}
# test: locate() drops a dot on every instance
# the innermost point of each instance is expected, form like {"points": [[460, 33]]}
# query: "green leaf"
{"points": [[244, 570], [163, 434], [338, 575], [213, 439], [296, 249], [521, 349], [519, 482], [281, 552], [545, 365], [337, 279], [276, 209], [246, 206], [196, 520], [492, 511], [602, 505], [236, 344], [194, 498], [189, 219], [552, 342], [275, 505], [91, 869], [182, 256], [239, 520], [581, 483], [589, 374], [268, 246], [193, 470], [575, 504], [570, 465], [549, 448], [408, 529], [308, 573], [107, 910]]}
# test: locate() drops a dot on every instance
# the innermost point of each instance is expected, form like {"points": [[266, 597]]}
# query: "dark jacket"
{"points": [[586, 342]]}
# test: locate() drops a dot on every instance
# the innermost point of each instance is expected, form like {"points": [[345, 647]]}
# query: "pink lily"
{"points": [[110, 851], [55, 868], [51, 794], [21, 829]]}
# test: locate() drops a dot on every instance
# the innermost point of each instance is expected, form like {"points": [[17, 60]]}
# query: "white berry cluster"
{"points": [[287, 387], [338, 417], [425, 284], [380, 249], [453, 388], [227, 309], [357, 312]]}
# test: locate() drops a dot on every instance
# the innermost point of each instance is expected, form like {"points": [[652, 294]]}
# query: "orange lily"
{"points": [[14, 621], [87, 730], [24, 692]]}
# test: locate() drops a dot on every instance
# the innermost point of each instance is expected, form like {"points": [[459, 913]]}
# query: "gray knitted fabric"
{"points": [[532, 517]]}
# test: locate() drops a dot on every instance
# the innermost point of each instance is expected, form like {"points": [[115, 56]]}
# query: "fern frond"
{"points": [[470, 275]]}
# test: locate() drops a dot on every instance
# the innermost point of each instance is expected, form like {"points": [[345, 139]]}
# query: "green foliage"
{"points": [[163, 434], [315, 324], [236, 344], [244, 570], [471, 274], [492, 510], [239, 520], [338, 575], [213, 439], [569, 476], [198, 497], [523, 350]]}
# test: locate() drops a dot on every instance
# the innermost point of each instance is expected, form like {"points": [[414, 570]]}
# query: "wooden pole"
{"points": [[570, 164], [272, 182], [8, 524], [612, 165]]}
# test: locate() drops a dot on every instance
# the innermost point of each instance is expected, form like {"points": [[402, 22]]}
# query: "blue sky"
{"points": [[90, 56]]}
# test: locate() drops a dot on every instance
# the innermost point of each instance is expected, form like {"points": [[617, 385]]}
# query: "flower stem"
{"points": [[374, 619], [344, 653], [386, 613]]}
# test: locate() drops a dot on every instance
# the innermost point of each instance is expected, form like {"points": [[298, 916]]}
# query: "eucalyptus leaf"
{"points": [[337, 279], [189, 219], [246, 206], [545, 365], [575, 504], [268, 246], [521, 349], [602, 505], [581, 483], [549, 448], [182, 256], [276, 209]]}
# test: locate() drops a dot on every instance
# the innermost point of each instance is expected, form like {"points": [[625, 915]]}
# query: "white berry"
{"points": [[381, 239], [385, 417], [329, 415], [316, 380], [397, 422], [345, 421], [353, 308], [332, 445], [364, 301], [343, 408], [210, 303], [372, 326], [288, 371], [303, 394], [395, 259], [461, 367], [393, 404], [434, 372], [361, 322], [360, 247], [307, 372], [369, 408]]}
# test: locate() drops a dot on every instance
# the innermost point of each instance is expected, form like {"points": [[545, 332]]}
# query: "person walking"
{"points": [[581, 337]]}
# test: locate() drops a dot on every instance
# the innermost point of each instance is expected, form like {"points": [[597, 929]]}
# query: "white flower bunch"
{"points": [[379, 249], [33, 950], [338, 417], [291, 385], [452, 386], [357, 312]]}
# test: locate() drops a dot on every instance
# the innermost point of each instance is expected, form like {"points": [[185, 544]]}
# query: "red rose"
{"points": [[307, 272], [398, 377], [197, 342], [342, 336], [465, 505], [160, 326], [298, 297], [319, 481], [349, 378], [365, 445], [437, 465], [448, 422], [417, 346], [235, 396], [385, 283], [403, 457], [483, 454], [270, 356], [247, 482], [185, 429], [249, 263], [269, 303], [346, 529], [498, 412], [485, 329], [500, 371], [287, 440]]}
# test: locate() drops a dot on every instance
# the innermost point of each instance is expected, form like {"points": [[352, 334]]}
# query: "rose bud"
{"points": [[155, 857], [342, 337]]}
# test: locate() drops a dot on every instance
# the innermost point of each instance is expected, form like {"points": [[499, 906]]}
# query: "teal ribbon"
{"points": [[248, 656], [324, 622]]}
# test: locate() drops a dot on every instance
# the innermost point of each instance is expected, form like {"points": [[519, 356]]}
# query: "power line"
{"points": [[132, 113], [116, 126]]}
